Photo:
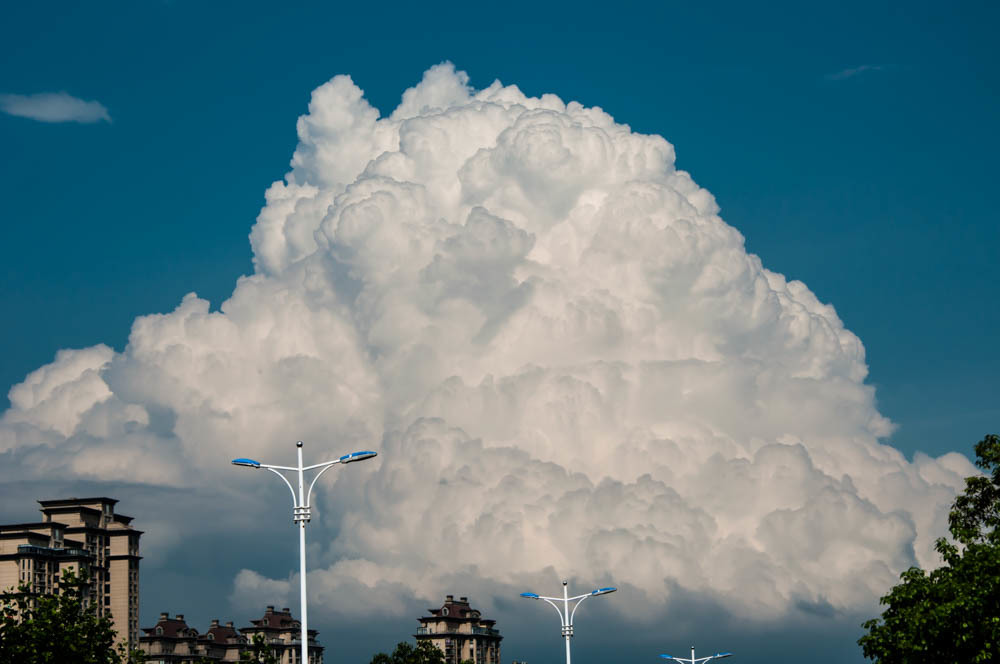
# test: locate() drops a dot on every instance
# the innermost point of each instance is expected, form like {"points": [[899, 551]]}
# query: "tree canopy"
{"points": [[259, 652], [425, 652], [951, 614], [49, 629]]}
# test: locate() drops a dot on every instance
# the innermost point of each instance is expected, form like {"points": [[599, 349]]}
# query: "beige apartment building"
{"points": [[172, 641], [461, 633], [79, 534]]}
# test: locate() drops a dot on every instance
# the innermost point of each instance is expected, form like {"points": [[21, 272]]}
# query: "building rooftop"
{"points": [[456, 610], [172, 628], [277, 620], [177, 628], [66, 502], [222, 633], [29, 526]]}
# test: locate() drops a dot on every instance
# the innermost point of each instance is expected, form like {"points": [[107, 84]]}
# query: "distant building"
{"points": [[461, 633], [284, 633], [81, 534], [172, 641]]}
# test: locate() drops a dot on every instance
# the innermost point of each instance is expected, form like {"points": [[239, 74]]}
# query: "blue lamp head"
{"points": [[530, 595], [357, 456], [603, 591], [250, 463]]}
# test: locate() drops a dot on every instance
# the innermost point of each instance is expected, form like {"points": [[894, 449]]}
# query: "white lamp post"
{"points": [[693, 660], [301, 514], [565, 615]]}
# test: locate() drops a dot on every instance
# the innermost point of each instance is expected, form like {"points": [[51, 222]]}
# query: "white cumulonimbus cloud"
{"points": [[567, 360]]}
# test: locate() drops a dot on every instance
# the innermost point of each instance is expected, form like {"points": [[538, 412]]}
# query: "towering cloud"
{"points": [[567, 360]]}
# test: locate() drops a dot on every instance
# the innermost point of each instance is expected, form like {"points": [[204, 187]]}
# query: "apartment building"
{"points": [[284, 633], [461, 633], [172, 641], [82, 534]]}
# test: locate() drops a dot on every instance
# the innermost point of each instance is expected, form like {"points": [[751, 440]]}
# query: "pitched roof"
{"points": [[222, 634], [456, 610], [276, 619], [173, 628]]}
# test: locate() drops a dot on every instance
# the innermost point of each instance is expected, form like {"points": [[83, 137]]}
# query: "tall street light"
{"points": [[565, 615], [301, 514], [693, 660]]}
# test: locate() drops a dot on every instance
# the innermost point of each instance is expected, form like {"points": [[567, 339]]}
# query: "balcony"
{"points": [[484, 631], [51, 552], [488, 631]]}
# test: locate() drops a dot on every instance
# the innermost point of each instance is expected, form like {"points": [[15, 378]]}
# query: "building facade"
{"points": [[461, 633], [284, 634], [172, 641], [84, 535]]}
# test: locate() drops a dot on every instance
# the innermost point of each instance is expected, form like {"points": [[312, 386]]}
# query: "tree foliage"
{"points": [[425, 652], [50, 629], [259, 652], [951, 614]]}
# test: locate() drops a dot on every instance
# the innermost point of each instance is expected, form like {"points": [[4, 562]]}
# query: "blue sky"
{"points": [[873, 188], [852, 144]]}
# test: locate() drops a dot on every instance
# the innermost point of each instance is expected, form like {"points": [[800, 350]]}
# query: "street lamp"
{"points": [[301, 515], [692, 660], [565, 615]]}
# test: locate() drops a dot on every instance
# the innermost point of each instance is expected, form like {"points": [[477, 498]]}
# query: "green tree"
{"points": [[951, 614], [259, 652], [46, 629], [425, 652]]}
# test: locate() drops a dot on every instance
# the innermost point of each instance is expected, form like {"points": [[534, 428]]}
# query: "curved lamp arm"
{"points": [[550, 600], [316, 477], [575, 607], [295, 501], [558, 610]]}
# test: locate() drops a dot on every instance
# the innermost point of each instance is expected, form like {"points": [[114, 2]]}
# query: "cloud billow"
{"points": [[568, 361], [54, 107]]}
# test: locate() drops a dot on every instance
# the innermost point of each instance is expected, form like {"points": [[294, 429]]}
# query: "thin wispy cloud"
{"points": [[54, 107], [845, 74]]}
